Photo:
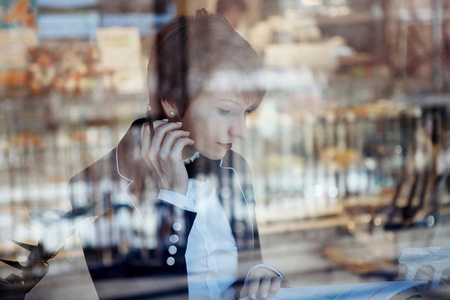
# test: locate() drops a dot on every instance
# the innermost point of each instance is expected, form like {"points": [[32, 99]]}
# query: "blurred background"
{"points": [[349, 150]]}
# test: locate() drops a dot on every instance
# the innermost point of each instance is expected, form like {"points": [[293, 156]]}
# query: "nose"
{"points": [[238, 128]]}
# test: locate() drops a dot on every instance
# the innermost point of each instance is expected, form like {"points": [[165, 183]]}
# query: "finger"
{"points": [[146, 136], [160, 133], [244, 291], [253, 288], [164, 125], [275, 285], [158, 123], [264, 288], [179, 146], [155, 125], [287, 283], [169, 141]]}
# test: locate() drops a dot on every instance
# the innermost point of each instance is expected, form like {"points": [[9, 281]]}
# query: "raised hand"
{"points": [[163, 154]]}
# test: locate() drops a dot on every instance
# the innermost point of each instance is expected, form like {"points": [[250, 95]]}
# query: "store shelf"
{"points": [[438, 100], [357, 59], [21, 99], [351, 19], [90, 109], [302, 225]]}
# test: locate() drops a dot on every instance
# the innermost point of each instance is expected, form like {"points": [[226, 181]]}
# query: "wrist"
{"points": [[179, 190], [265, 266], [177, 199]]}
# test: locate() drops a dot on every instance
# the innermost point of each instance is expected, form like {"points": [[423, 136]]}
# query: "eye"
{"points": [[223, 112], [248, 111]]}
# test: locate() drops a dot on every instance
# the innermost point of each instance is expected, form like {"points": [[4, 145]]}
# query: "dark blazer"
{"points": [[127, 246]]}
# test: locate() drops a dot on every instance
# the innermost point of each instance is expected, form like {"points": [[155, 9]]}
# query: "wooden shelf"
{"points": [[351, 19]]}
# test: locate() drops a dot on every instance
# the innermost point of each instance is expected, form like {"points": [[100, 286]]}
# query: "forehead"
{"points": [[243, 87]]}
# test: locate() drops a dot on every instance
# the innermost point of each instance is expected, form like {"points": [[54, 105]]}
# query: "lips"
{"points": [[226, 146]]}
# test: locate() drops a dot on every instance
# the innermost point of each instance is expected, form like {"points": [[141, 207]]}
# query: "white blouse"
{"points": [[211, 254]]}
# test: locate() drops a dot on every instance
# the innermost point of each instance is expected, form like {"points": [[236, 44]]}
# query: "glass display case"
{"points": [[348, 150]]}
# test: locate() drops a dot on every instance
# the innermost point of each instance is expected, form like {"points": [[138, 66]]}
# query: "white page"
{"points": [[358, 291]]}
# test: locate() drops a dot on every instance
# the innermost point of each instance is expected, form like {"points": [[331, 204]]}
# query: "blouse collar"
{"points": [[192, 158]]}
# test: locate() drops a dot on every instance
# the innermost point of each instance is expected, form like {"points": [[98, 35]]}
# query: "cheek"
{"points": [[207, 134], [199, 132], [206, 128]]}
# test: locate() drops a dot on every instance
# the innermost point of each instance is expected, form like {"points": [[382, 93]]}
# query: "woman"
{"points": [[175, 205]]}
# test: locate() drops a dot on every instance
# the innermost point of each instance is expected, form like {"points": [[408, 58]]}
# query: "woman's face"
{"points": [[215, 121]]}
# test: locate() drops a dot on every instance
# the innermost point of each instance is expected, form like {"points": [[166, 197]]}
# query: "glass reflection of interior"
{"points": [[348, 150]]}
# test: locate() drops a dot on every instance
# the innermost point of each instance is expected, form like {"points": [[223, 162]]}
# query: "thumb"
{"points": [[244, 291]]}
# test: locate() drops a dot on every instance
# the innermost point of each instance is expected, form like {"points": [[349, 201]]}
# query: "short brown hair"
{"points": [[188, 50]]}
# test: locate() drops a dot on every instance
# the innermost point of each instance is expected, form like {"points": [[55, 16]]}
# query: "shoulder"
{"points": [[98, 169], [108, 163]]}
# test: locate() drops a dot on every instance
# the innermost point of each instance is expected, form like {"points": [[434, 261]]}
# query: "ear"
{"points": [[170, 110]]}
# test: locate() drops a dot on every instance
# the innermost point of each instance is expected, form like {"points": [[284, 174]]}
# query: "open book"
{"points": [[358, 291]]}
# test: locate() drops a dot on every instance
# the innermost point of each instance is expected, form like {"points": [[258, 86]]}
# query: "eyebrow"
{"points": [[236, 102], [231, 100]]}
